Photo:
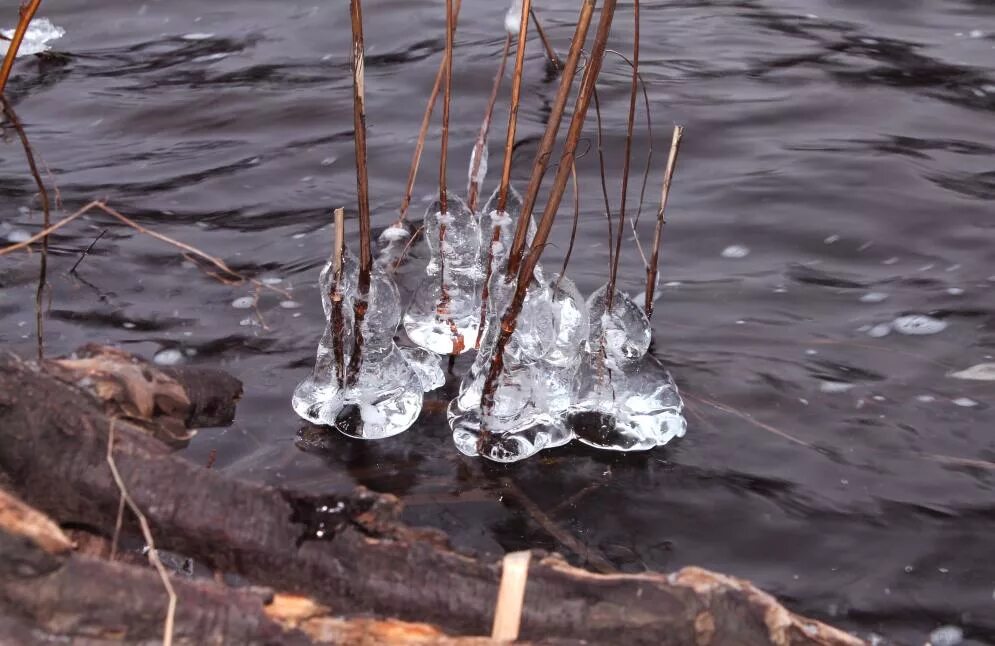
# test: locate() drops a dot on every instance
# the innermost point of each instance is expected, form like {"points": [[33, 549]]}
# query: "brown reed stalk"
{"points": [[629, 129], [604, 179], [29, 154], [423, 131], [668, 176], [554, 60], [567, 158], [27, 13], [480, 147], [338, 317], [446, 101], [516, 95], [549, 138]]}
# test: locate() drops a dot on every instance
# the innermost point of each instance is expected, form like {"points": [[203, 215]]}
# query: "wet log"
{"points": [[350, 553]]}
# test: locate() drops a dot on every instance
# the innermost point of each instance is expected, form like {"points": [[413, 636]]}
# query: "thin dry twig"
{"points": [[511, 596], [554, 60], [447, 95], [516, 94], [480, 147], [747, 417], [153, 553], [573, 227], [27, 13], [545, 151], [668, 176], [604, 180]]}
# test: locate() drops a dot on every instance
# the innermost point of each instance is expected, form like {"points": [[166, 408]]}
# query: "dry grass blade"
{"points": [[545, 151], [668, 176], [516, 94], [44, 233], [480, 147], [153, 553], [749, 418], [27, 13], [29, 154]]}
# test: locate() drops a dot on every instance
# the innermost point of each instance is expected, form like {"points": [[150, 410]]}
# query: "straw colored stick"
{"points": [[27, 13], [423, 131], [338, 318], [627, 160], [668, 176], [511, 596], [339, 238], [549, 137], [359, 134], [554, 60], [568, 157], [446, 101], [480, 147], [516, 95]]}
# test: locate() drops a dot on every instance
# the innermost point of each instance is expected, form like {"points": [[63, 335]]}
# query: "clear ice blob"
{"points": [[427, 366], [532, 339], [40, 33], [443, 320], [598, 393], [459, 247], [652, 408], [625, 330], [385, 399], [571, 322]]}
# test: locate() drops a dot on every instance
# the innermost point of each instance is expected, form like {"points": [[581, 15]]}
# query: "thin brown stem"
{"points": [[26, 15], [359, 135], [573, 227], [627, 160], [29, 154], [549, 138], [525, 274], [423, 132], [446, 101], [604, 181], [480, 147], [516, 95], [668, 176], [554, 60], [337, 316]]}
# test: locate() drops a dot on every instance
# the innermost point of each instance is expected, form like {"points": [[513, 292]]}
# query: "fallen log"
{"points": [[349, 553]]}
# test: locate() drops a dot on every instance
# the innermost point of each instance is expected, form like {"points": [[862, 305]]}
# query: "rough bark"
{"points": [[349, 553]]}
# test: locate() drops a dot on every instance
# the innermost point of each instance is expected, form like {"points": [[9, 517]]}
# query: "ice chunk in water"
{"points": [[427, 365], [625, 330], [571, 323], [40, 33], [513, 19], [443, 319], [532, 339]]}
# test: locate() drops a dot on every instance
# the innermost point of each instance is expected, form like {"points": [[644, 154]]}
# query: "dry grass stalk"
{"points": [[29, 154], [423, 131], [511, 596], [153, 553], [359, 134], [447, 96], [668, 176], [545, 225], [27, 13], [516, 95], [604, 180], [549, 137], [627, 159], [573, 226], [554, 60], [338, 319], [480, 147]]}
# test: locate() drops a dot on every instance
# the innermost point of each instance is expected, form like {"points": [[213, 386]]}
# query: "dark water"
{"points": [[850, 146]]}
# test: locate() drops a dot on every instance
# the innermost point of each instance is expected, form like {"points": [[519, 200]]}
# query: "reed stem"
{"points": [[567, 158], [554, 60], [27, 13], [446, 100], [480, 147], [549, 138], [516, 95], [359, 134], [668, 176]]}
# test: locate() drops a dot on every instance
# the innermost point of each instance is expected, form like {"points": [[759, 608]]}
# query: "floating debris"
{"points": [[918, 325], [243, 302]]}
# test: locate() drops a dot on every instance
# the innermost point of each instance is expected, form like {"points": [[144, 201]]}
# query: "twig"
{"points": [[423, 132], [338, 319], [44, 233], [627, 159], [549, 138], [359, 136], [565, 538], [749, 418], [516, 94], [87, 251], [511, 596], [554, 60], [480, 147], [153, 553], [668, 176], [525, 273], [29, 154], [573, 227], [26, 15], [447, 95], [604, 180]]}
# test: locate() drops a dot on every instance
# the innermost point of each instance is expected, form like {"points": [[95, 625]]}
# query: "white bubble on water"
{"points": [[735, 251], [879, 330], [955, 291], [243, 302], [946, 636], [980, 372], [832, 239], [918, 325], [197, 36], [874, 297], [271, 280], [168, 357], [925, 399], [289, 305], [965, 402], [833, 387], [18, 235]]}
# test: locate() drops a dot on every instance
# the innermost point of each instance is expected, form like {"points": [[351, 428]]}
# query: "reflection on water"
{"points": [[835, 189]]}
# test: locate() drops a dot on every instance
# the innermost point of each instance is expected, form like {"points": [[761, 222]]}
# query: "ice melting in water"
{"points": [[513, 19], [624, 331], [444, 314], [376, 393], [40, 33], [918, 324]]}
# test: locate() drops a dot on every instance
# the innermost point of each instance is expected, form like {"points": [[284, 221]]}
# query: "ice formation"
{"points": [[41, 32]]}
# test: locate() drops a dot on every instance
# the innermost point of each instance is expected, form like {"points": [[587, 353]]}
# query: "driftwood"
{"points": [[347, 555]]}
